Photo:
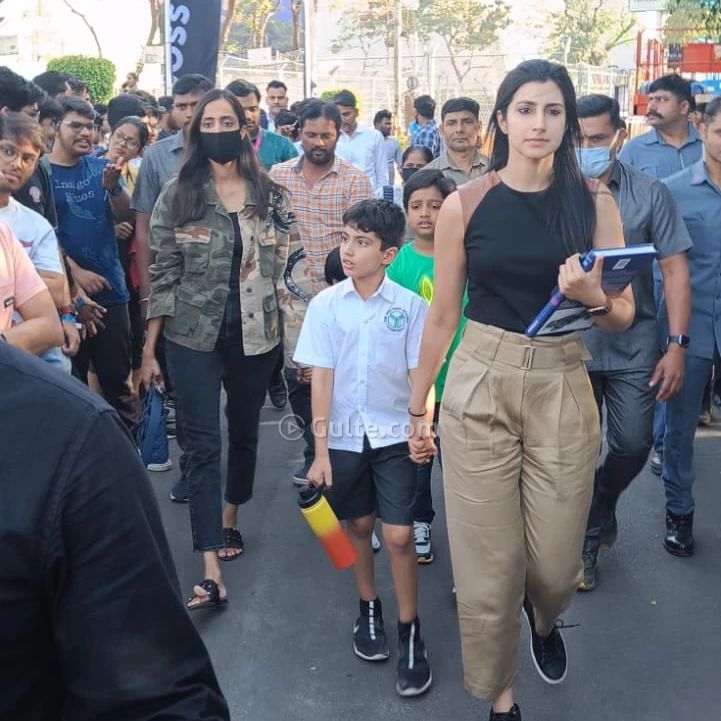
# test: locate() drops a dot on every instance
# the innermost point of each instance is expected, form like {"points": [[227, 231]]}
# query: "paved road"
{"points": [[648, 647]]}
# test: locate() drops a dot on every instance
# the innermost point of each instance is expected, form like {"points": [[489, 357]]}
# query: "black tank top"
{"points": [[512, 257]]}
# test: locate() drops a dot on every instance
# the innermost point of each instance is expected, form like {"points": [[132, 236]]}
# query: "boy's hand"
{"points": [[320, 473], [304, 375], [421, 442]]}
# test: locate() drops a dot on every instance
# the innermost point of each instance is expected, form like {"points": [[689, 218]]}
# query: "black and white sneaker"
{"points": [[549, 652], [414, 673], [369, 638], [513, 715], [422, 540]]}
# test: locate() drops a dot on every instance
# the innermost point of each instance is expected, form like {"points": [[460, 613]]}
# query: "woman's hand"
{"points": [[150, 372], [580, 285], [421, 441]]}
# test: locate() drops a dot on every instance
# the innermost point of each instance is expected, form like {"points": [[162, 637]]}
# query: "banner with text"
{"points": [[193, 32]]}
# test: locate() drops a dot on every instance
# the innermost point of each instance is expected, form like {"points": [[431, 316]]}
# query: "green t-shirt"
{"points": [[414, 271]]}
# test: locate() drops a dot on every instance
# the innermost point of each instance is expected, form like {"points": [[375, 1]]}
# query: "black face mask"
{"points": [[407, 172], [222, 147]]}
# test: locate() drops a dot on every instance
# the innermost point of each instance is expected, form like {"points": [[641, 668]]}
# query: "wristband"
{"points": [[80, 303], [416, 415], [116, 191], [68, 317], [66, 310]]}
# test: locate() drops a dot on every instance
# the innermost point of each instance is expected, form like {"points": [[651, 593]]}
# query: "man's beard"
{"points": [[322, 157]]}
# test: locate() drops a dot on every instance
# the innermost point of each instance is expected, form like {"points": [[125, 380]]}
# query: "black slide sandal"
{"points": [[212, 600], [233, 541]]}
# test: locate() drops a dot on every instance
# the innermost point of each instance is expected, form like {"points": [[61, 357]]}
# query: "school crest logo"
{"points": [[396, 319]]}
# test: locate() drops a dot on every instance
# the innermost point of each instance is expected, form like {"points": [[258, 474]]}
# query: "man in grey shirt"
{"points": [[627, 372], [460, 159], [161, 162]]}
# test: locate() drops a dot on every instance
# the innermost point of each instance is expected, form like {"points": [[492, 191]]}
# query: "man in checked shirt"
{"points": [[322, 186]]}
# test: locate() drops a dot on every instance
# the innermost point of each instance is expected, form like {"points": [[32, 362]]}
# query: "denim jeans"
{"points": [[197, 376], [681, 421], [629, 413], [423, 505]]}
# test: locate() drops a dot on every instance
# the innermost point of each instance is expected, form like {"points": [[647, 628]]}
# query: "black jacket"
{"points": [[92, 625]]}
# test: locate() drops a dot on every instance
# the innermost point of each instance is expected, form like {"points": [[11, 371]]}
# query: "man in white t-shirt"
{"points": [[20, 148], [360, 145]]}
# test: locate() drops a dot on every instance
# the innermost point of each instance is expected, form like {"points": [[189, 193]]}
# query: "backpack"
{"points": [[150, 432]]}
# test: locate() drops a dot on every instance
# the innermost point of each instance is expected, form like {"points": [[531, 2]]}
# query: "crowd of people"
{"points": [[199, 243]]}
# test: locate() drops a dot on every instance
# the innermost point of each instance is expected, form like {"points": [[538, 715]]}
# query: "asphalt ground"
{"points": [[648, 647]]}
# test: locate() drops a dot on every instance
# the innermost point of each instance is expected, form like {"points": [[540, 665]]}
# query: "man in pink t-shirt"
{"points": [[23, 290]]}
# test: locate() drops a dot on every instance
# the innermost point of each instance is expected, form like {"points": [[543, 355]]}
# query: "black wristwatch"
{"points": [[116, 191], [682, 340]]}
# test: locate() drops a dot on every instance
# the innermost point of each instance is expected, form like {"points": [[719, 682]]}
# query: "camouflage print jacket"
{"points": [[189, 280]]}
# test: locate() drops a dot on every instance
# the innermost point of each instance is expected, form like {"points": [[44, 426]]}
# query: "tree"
{"points": [[98, 73], [363, 25], [585, 31], [87, 25], [249, 27], [466, 27], [690, 20]]}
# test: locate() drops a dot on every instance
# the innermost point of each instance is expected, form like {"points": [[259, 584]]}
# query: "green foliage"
{"points": [[98, 73], [467, 27], [251, 20], [693, 20], [586, 30]]}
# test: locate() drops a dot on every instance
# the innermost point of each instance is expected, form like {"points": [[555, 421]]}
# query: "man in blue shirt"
{"points": [[428, 133], [89, 199], [697, 191], [672, 144]]}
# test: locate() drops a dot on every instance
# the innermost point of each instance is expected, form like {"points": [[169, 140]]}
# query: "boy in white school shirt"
{"points": [[362, 338]]}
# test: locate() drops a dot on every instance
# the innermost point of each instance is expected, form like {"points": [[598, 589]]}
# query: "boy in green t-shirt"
{"points": [[423, 196]]}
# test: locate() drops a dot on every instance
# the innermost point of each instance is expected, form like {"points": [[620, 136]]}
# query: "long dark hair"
{"points": [[190, 201], [569, 209]]}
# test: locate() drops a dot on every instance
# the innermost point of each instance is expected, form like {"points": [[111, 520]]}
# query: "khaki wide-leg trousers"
{"points": [[520, 439]]}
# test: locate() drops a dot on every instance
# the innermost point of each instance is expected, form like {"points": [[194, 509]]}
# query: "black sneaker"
{"points": [[369, 638], [608, 522], [549, 653], [414, 673], [589, 557], [679, 534], [513, 715]]}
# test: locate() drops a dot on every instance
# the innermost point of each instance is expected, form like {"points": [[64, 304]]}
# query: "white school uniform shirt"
{"points": [[366, 150], [370, 345]]}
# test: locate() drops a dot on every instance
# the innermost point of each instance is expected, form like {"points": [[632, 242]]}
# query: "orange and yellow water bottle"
{"points": [[323, 522]]}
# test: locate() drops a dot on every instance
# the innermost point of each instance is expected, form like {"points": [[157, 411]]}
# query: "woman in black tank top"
{"points": [[520, 428]]}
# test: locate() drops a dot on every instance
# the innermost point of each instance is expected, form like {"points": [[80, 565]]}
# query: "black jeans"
{"points": [[197, 376], [109, 352], [299, 397], [629, 422]]}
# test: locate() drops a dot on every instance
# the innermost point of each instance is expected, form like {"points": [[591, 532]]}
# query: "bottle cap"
{"points": [[309, 496]]}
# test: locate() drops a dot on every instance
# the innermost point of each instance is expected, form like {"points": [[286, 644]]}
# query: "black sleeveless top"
{"points": [[512, 258]]}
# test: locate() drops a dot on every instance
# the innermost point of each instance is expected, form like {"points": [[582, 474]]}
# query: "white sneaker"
{"points": [[166, 466], [375, 542], [422, 538]]}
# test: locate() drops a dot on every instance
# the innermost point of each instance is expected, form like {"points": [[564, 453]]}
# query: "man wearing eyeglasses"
{"points": [[90, 198]]}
